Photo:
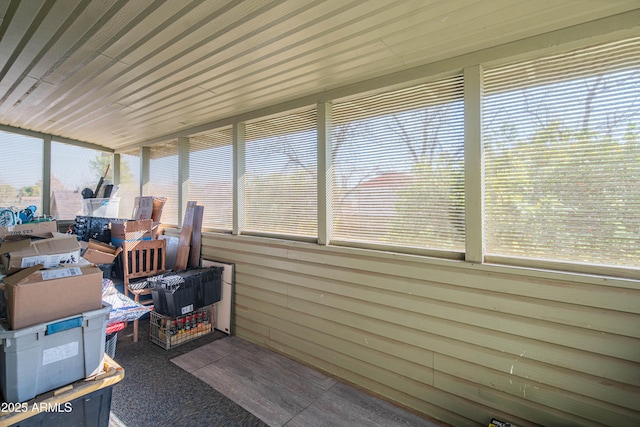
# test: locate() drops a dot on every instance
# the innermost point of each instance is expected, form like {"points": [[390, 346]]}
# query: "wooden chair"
{"points": [[140, 259]]}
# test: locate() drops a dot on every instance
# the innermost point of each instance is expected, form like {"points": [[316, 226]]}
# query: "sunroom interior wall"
{"points": [[456, 341]]}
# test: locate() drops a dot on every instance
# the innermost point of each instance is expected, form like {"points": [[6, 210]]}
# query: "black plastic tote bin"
{"points": [[85, 403], [201, 287]]}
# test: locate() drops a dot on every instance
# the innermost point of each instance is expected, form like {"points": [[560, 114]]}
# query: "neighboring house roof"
{"points": [[377, 196], [65, 204], [393, 180]]}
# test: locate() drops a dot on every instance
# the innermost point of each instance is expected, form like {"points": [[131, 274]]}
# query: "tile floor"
{"points": [[282, 392]]}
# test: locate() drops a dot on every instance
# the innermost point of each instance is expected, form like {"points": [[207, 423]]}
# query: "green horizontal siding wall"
{"points": [[457, 341]]}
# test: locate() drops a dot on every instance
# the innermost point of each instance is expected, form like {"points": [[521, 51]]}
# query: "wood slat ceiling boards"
{"points": [[121, 72]]}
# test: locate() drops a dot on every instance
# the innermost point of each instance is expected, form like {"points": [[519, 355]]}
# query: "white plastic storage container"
{"points": [[43, 357], [107, 208]]}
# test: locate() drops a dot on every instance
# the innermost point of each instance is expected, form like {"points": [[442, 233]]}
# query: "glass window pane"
{"points": [[398, 161], [129, 187], [69, 183], [163, 179], [281, 175], [211, 177], [562, 156], [20, 172]]}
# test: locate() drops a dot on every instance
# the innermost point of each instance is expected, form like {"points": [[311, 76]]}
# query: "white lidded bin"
{"points": [[106, 208], [44, 357]]}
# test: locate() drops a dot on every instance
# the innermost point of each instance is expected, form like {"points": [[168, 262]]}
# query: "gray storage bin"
{"points": [[43, 357]]}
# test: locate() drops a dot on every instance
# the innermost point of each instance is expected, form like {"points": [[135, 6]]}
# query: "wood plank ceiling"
{"points": [[121, 72]]}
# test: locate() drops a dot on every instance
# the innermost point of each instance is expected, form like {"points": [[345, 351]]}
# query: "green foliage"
{"points": [[7, 192], [564, 193], [429, 211], [29, 191], [99, 166], [282, 198]]}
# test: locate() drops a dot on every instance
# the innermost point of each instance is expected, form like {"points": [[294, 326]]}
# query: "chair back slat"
{"points": [[143, 258]]}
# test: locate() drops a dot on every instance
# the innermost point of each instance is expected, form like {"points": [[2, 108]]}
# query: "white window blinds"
{"points": [[398, 162], [562, 157], [163, 179], [281, 174], [20, 171], [211, 177], [129, 187]]}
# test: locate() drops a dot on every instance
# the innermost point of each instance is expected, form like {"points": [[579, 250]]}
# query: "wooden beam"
{"points": [[196, 238], [184, 245]]}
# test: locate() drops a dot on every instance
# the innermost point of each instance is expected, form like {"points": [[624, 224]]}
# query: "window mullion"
{"points": [[145, 166], [474, 164], [325, 174], [238, 178], [183, 176], [46, 175]]}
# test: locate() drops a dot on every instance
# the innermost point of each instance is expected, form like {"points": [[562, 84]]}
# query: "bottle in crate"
{"points": [[194, 322], [181, 325], [205, 318], [187, 324]]}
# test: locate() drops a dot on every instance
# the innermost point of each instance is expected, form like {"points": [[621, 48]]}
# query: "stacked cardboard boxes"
{"points": [[132, 230], [52, 330]]}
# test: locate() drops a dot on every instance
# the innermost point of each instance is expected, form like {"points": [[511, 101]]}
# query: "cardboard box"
{"points": [[142, 207], [32, 229], [158, 205], [130, 231], [35, 295], [8, 246], [100, 253], [63, 249], [148, 207]]}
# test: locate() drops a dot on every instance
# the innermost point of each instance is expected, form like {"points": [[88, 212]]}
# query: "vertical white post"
{"points": [[145, 171], [46, 174], [183, 176], [474, 164], [238, 178], [115, 162], [325, 174]]}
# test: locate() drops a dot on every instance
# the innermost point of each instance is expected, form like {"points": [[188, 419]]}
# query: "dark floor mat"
{"points": [[156, 392]]}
